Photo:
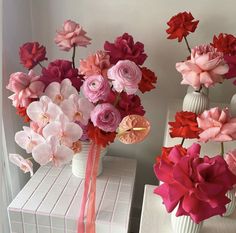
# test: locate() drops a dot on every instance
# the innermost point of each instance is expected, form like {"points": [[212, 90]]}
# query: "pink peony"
{"points": [[106, 117], [26, 88], [96, 88], [59, 70], [206, 67], [125, 75], [217, 125], [197, 186], [95, 64], [230, 159], [71, 34], [124, 48]]}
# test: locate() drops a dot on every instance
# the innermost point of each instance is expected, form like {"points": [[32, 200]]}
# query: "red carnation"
{"points": [[21, 111], [124, 48], [231, 61], [225, 43], [181, 25], [147, 81], [31, 53], [185, 125]]}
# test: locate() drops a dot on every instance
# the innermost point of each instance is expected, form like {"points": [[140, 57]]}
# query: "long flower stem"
{"points": [[182, 142], [73, 57], [40, 65], [222, 149], [186, 41]]}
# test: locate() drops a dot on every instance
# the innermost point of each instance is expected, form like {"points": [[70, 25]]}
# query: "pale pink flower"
{"points": [[52, 151], [71, 34], [77, 109], [67, 132], [28, 139], [43, 111], [26, 87], [57, 92], [24, 164], [206, 67], [35, 127], [230, 159], [125, 76], [217, 125]]}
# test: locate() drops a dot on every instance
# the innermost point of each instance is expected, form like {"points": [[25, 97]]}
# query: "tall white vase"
{"points": [[233, 105], [79, 160], [230, 207]]}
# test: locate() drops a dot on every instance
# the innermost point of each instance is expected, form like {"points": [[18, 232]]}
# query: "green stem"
{"points": [[186, 41], [182, 142], [73, 57], [222, 149]]}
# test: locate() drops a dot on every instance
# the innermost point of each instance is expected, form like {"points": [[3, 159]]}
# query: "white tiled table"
{"points": [[50, 201]]}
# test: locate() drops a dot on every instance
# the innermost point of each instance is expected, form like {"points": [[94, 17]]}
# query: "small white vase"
{"points": [[233, 105], [79, 161], [230, 207], [184, 224], [195, 102]]}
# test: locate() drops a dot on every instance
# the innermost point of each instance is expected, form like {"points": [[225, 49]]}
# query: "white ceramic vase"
{"points": [[195, 102], [230, 207], [233, 105], [79, 160]]}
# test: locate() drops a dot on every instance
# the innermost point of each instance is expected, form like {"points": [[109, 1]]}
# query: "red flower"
{"points": [[147, 81], [124, 48], [31, 54], [21, 111], [185, 125], [100, 137], [225, 43], [231, 61], [181, 25]]}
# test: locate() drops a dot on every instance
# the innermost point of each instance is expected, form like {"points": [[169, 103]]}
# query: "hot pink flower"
{"points": [[24, 164], [26, 88], [230, 159], [196, 185], [95, 64], [124, 48], [206, 67], [125, 75], [96, 88], [71, 34], [106, 117], [217, 125]]}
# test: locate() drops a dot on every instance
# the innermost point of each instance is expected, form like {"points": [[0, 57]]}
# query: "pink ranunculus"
{"points": [[216, 125], [231, 61], [106, 117], [125, 75], [96, 88], [95, 64], [77, 109], [197, 186], [24, 164], [71, 34], [206, 67], [26, 88], [230, 159], [124, 48], [59, 70]]}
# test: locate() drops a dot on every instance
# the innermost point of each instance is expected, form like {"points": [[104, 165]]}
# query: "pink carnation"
{"points": [[125, 76], [206, 67], [71, 34], [106, 117], [230, 159], [217, 125]]}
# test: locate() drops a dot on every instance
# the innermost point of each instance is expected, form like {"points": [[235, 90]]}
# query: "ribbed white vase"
{"points": [[233, 105], [195, 102], [231, 206], [79, 160]]}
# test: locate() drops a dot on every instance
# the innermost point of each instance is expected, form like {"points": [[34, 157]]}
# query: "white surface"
{"points": [[155, 218], [50, 201]]}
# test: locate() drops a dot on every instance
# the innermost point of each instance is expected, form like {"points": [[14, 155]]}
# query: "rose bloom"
{"points": [[106, 117], [231, 61], [206, 67], [124, 48], [95, 64], [96, 88], [31, 53], [230, 159], [216, 125], [185, 125], [148, 80], [59, 70], [125, 76], [71, 34], [181, 25], [196, 186]]}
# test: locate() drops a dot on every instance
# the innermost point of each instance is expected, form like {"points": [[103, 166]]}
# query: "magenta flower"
{"points": [[106, 117], [124, 48], [196, 186], [71, 34]]}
